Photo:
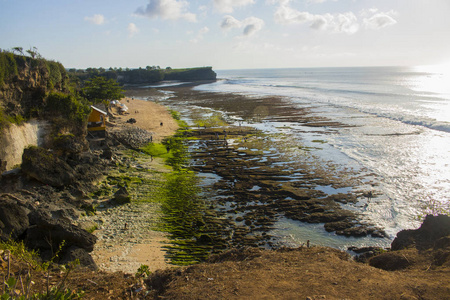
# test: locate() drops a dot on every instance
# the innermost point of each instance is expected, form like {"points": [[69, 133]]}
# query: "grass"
{"points": [[156, 150], [19, 285]]}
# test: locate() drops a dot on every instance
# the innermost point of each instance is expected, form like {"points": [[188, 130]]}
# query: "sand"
{"points": [[150, 116]]}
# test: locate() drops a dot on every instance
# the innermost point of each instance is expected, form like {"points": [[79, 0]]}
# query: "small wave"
{"points": [[396, 134], [440, 126], [415, 120]]}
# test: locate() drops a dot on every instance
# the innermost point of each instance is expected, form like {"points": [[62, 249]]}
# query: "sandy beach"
{"points": [[150, 116]]}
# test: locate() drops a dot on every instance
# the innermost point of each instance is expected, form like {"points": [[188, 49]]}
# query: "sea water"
{"points": [[399, 133]]}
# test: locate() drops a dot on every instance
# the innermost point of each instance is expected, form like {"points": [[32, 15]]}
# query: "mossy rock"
{"points": [[121, 197]]}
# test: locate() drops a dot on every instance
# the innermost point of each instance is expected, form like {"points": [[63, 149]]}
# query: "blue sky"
{"points": [[230, 34]]}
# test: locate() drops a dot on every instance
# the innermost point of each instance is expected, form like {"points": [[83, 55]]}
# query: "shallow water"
{"points": [[400, 129], [395, 142]]}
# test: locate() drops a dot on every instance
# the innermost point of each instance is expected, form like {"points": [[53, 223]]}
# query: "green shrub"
{"points": [[67, 106], [8, 66], [143, 271]]}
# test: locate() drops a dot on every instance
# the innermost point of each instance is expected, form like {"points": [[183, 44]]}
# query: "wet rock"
{"points": [[357, 231], [432, 229], [337, 226], [365, 253]]}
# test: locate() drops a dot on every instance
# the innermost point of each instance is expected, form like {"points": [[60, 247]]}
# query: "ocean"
{"points": [[397, 134]]}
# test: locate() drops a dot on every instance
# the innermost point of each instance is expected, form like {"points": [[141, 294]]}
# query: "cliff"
{"points": [[192, 74], [147, 75], [35, 102], [15, 138], [24, 83]]}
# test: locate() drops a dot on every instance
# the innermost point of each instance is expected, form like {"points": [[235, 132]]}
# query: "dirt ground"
{"points": [[302, 273]]}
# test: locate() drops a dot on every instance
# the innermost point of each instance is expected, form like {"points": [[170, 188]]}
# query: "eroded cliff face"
{"points": [[15, 138], [24, 88]]}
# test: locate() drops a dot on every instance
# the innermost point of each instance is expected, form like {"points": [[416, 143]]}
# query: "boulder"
{"points": [[107, 154], [74, 253], [121, 197], [425, 237], [390, 261], [47, 168], [13, 219], [48, 234]]}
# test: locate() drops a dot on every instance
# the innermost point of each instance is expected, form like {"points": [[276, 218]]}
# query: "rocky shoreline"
{"points": [[110, 194], [257, 183]]}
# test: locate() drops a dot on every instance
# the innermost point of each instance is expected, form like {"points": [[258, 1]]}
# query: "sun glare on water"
{"points": [[436, 79]]}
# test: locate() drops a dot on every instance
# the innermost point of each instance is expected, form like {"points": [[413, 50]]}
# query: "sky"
{"points": [[230, 34]]}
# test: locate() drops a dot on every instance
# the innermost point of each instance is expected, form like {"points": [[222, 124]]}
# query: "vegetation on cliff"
{"points": [[145, 75], [34, 87], [26, 83]]}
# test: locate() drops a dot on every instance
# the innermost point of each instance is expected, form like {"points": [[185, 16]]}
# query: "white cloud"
{"points": [[167, 10], [132, 29], [95, 19], [250, 25], [200, 35], [380, 20], [229, 22], [347, 23], [287, 15], [338, 23], [368, 12], [320, 22], [227, 6]]}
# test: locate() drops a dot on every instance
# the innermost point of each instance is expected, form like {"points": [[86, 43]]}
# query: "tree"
{"points": [[34, 53], [18, 50], [100, 89]]}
